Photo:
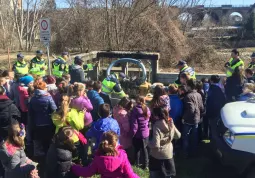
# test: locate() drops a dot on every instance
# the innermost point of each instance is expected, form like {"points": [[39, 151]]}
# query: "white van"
{"points": [[233, 136]]}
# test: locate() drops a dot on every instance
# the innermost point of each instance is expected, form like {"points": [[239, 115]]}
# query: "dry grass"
{"points": [[204, 60]]}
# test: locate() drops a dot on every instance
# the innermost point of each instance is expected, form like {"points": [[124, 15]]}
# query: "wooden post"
{"points": [[154, 71], [9, 60]]}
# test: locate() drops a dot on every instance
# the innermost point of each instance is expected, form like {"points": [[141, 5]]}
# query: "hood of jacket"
{"points": [[93, 94], [75, 67], [119, 112], [139, 109], [4, 102], [162, 125], [103, 124], [110, 163], [52, 86], [41, 93]]}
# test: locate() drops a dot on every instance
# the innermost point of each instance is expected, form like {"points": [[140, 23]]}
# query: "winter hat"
{"points": [[26, 80], [64, 53], [50, 79], [78, 60], [253, 55], [181, 63]]}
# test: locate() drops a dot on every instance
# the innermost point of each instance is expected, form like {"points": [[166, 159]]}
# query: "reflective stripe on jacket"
{"points": [[251, 66], [20, 68], [108, 88], [89, 67], [233, 66], [36, 65], [188, 70], [59, 67]]}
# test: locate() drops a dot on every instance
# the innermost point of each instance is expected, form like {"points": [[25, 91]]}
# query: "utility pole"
{"points": [[108, 25], [27, 25]]}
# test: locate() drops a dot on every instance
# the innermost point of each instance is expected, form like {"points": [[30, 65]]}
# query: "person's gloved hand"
{"points": [[227, 64]]}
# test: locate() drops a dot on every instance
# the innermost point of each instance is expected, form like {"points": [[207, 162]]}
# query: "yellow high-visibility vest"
{"points": [[231, 68], [20, 68]]}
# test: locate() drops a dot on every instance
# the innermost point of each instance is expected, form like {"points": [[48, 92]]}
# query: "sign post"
{"points": [[45, 36]]}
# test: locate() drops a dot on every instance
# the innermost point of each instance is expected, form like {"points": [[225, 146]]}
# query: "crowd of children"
{"points": [[55, 122]]}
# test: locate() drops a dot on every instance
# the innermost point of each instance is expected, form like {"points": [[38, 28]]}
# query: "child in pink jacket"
{"points": [[121, 113], [110, 160], [81, 102]]}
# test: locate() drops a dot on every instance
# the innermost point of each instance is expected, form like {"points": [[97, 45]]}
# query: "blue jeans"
{"points": [[189, 138]]}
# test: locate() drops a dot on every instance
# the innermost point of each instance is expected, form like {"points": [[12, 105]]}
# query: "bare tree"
{"points": [[26, 26]]}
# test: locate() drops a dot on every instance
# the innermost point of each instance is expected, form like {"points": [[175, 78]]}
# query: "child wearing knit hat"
{"points": [[51, 84], [24, 83]]}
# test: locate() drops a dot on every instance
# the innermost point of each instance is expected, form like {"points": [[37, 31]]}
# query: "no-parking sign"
{"points": [[45, 32]]}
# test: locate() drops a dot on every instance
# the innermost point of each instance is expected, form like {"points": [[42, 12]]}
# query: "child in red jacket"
{"points": [[25, 82], [110, 160]]}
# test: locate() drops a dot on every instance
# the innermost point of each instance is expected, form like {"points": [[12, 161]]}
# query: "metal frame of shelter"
{"points": [[139, 55]]}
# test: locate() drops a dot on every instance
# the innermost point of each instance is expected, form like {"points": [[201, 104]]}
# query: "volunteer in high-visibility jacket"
{"points": [[111, 84], [88, 67], [38, 65], [59, 66], [252, 63], [20, 67], [184, 68], [233, 63]]}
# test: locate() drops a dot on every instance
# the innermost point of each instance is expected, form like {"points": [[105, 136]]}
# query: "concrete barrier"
{"points": [[168, 78]]}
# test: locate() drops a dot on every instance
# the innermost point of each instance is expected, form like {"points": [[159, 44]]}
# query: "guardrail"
{"points": [[221, 6], [168, 78]]}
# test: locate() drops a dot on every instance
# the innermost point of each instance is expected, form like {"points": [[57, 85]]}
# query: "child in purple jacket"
{"points": [[81, 102], [110, 160], [140, 115]]}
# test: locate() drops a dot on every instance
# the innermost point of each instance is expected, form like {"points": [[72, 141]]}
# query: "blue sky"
{"points": [[61, 3]]}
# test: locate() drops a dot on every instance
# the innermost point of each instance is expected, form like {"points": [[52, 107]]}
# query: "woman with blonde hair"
{"points": [[81, 102], [66, 116]]}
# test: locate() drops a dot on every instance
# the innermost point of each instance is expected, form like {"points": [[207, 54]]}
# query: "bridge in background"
{"points": [[219, 15]]}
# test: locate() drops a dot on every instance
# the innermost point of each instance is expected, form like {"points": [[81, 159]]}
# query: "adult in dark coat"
{"points": [[216, 98], [59, 156], [234, 84], [76, 71], [193, 109], [8, 111]]}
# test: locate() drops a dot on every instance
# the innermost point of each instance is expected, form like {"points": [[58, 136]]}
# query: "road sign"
{"points": [[45, 35], [45, 31]]}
